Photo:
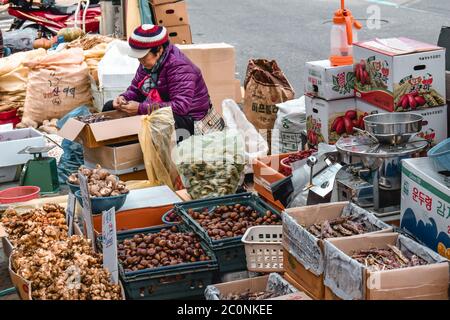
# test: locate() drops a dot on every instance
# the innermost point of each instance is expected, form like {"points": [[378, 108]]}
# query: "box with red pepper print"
{"points": [[328, 82], [434, 124], [327, 121], [400, 74]]}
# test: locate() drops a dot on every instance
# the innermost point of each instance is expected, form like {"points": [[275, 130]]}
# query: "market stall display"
{"points": [[303, 248]]}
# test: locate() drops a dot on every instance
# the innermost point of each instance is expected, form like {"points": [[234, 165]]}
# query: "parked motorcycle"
{"points": [[48, 18]]}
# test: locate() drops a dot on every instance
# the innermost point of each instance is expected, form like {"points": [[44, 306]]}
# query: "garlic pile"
{"points": [[66, 270], [101, 183]]}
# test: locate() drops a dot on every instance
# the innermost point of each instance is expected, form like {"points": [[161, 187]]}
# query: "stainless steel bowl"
{"points": [[393, 128]]}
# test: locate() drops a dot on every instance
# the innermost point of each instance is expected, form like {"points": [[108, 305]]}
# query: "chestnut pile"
{"points": [[36, 227], [232, 221], [165, 248], [66, 270], [172, 217], [101, 183]]}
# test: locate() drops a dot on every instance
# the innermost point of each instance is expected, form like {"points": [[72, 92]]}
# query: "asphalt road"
{"points": [[295, 31]]}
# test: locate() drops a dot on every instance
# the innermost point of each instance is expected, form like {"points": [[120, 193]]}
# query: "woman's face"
{"points": [[149, 60]]}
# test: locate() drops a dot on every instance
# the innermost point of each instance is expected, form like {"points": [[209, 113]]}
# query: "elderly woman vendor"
{"points": [[166, 78]]}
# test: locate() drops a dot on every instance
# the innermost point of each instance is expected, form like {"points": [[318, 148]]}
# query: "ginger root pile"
{"points": [[67, 270]]}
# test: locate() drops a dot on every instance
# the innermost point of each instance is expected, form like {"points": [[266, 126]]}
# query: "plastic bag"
{"points": [[157, 139], [255, 145], [288, 127], [57, 84], [72, 158], [19, 40], [211, 165], [118, 65]]}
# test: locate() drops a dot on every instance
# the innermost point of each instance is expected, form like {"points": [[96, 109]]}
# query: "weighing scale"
{"points": [[40, 171]]}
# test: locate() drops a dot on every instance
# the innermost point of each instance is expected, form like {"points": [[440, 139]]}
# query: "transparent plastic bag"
{"points": [[211, 165]]}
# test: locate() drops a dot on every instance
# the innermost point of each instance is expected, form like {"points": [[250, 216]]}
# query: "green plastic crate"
{"points": [[230, 252], [183, 281]]}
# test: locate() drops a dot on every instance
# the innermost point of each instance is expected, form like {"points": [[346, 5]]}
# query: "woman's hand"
{"points": [[131, 108], [118, 102]]}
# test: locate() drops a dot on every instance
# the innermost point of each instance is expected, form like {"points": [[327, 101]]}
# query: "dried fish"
{"points": [[399, 254], [342, 230]]}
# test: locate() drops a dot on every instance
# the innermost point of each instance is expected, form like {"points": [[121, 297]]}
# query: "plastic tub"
{"points": [[440, 154], [100, 204], [264, 249], [73, 187], [6, 115], [19, 194]]}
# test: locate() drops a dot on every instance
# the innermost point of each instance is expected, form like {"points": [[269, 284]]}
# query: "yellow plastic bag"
{"points": [[157, 138]]}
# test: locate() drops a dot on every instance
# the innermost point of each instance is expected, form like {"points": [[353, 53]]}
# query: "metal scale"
{"points": [[371, 177], [40, 171]]}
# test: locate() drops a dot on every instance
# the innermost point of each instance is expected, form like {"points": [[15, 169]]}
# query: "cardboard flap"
{"points": [[3, 233], [398, 46], [71, 129], [309, 215], [116, 128], [22, 286]]}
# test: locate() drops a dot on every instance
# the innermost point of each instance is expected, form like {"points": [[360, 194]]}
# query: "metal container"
{"points": [[393, 128]]}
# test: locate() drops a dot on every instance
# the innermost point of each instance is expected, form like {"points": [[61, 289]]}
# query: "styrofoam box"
{"points": [[103, 95], [13, 141], [10, 173]]}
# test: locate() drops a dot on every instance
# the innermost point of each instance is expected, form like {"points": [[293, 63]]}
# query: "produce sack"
{"points": [[211, 165], [265, 86], [14, 75], [157, 139], [57, 84], [92, 57], [288, 127], [255, 145]]}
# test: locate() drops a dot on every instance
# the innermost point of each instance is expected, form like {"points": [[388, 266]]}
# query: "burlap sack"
{"points": [[265, 86], [57, 84]]}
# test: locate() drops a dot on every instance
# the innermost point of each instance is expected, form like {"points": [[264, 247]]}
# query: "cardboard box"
{"points": [[180, 34], [298, 286], [116, 157], [119, 129], [321, 116], [388, 69], [217, 61], [225, 90], [16, 140], [425, 204], [434, 126], [157, 2], [133, 176], [258, 284], [328, 82], [171, 14], [350, 280], [303, 252]]}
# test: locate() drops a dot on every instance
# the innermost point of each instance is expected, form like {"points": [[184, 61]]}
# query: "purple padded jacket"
{"points": [[180, 85]]}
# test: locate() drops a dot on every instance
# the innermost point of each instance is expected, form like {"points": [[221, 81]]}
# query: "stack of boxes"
{"points": [[402, 75], [217, 62], [330, 103], [389, 75], [174, 16]]}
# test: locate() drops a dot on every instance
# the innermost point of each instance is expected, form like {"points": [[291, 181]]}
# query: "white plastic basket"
{"points": [[264, 249]]}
